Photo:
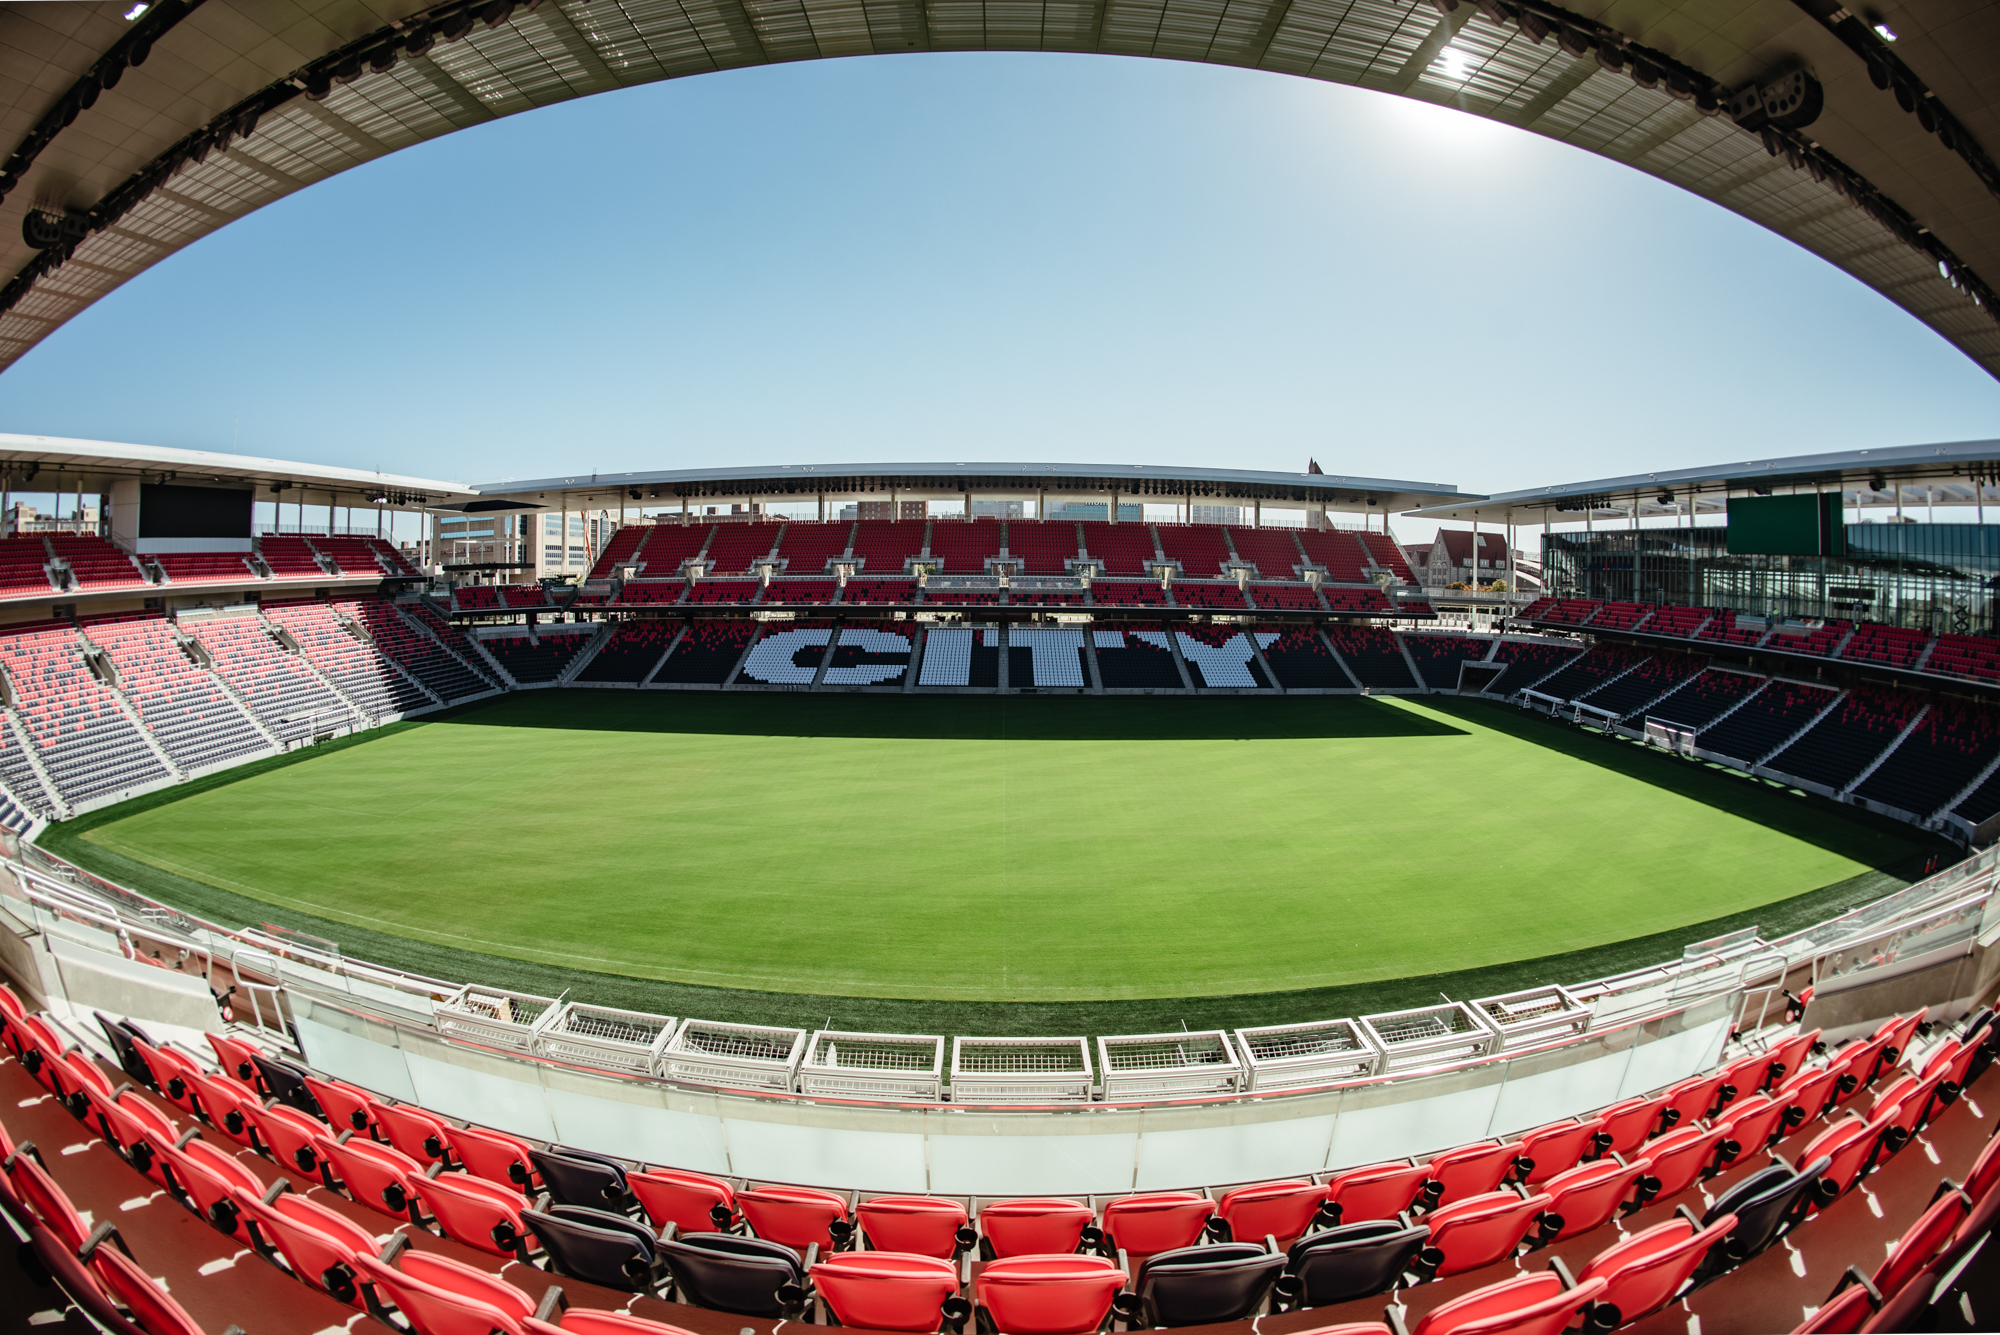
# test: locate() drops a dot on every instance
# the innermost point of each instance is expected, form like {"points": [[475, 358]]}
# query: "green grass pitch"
{"points": [[1001, 848]]}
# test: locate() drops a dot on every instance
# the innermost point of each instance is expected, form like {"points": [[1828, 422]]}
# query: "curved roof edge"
{"points": [[88, 460]]}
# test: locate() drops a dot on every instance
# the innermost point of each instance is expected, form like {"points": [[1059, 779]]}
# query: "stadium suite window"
{"points": [[552, 556], [578, 557]]}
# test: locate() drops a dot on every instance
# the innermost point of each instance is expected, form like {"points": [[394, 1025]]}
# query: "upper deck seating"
{"points": [[879, 592], [619, 550], [394, 560], [441, 659], [24, 563], [1286, 598], [1527, 664], [1644, 684], [1570, 611], [525, 597], [353, 556], [1620, 616], [800, 592], [735, 547], [1044, 547], [288, 698], [205, 567], [1974, 656], [963, 546], [1592, 670], [885, 547], [631, 652], [1125, 548], [655, 592], [722, 592], [190, 713], [1705, 697], [707, 653], [806, 547], [1777, 711], [1273, 551], [1135, 657], [1438, 657], [357, 667], [1354, 602], [1018, 596], [1301, 659], [1127, 593], [1200, 548], [1722, 629], [476, 598], [1535, 610], [1818, 641], [528, 661], [1839, 746], [1389, 556], [1891, 646], [1373, 656], [963, 597], [1340, 553], [669, 547], [290, 556], [86, 742], [1677, 621], [1947, 750], [97, 564], [1208, 593]]}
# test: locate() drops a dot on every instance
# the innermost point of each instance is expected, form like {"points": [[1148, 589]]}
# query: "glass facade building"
{"points": [[1937, 577]]}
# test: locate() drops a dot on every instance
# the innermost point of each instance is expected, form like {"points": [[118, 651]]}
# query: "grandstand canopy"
{"points": [[940, 481], [60, 464], [1965, 474], [131, 130]]}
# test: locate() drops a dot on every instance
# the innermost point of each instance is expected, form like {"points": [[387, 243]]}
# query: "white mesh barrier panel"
{"points": [[774, 660], [1225, 664], [1056, 654], [947, 657], [870, 642]]}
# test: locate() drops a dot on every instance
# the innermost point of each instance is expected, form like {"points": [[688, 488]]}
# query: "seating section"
{"points": [[88, 744], [17, 771], [1301, 659], [706, 654], [1569, 612], [1200, 548], [1221, 658], [1135, 658], [963, 546], [1127, 593], [1438, 657], [97, 564], [736, 546], [1389, 556], [1272, 550], [1680, 622], [188, 711], [960, 656], [1892, 646], [285, 694], [1043, 546], [1965, 656], [24, 567], [354, 556], [1373, 656], [525, 597], [723, 593], [1620, 616], [1722, 629], [630, 652], [1762, 725], [529, 661], [619, 550], [1125, 549], [806, 548], [885, 547], [1220, 596], [393, 560], [289, 557], [1592, 670], [1346, 601], [1705, 697], [1527, 664], [1046, 657], [430, 648], [669, 546], [877, 654], [1342, 555], [1841, 745], [1820, 641], [361, 672], [1976, 807], [963, 597], [204, 567], [800, 592], [879, 592], [1020, 597], [1286, 598], [476, 598], [1953, 743], [1646, 683], [652, 592]]}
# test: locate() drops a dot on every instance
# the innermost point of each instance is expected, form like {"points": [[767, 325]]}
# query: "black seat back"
{"points": [[730, 1273], [1356, 1260], [1766, 1205], [287, 1083], [595, 1246], [574, 1177], [1194, 1286], [130, 1059]]}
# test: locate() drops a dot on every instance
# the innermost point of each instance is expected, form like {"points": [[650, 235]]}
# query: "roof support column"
{"points": [[1113, 516], [1257, 513], [822, 507]]}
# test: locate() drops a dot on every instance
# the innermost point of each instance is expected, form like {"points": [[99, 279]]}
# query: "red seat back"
{"points": [[1845, 1313], [1629, 1123], [293, 1138], [1679, 1158], [319, 1245], [885, 1290], [798, 1217], [1147, 1225], [212, 1177], [917, 1225], [418, 1134], [476, 1212], [152, 1310], [1789, 1055], [1922, 1242], [1752, 1123], [1480, 1230], [1034, 1227], [1473, 1170], [1281, 1210], [49, 1202], [1535, 1304], [346, 1108], [234, 1056], [1589, 1195], [434, 1311], [685, 1200], [1380, 1191], [1645, 1272], [377, 1176], [1048, 1295], [1559, 1148], [495, 1156]]}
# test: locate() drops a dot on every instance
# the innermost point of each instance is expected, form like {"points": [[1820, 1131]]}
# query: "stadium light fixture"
{"points": [[137, 10], [1457, 66], [1882, 30]]}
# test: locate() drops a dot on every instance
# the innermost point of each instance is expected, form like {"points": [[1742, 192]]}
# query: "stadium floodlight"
{"points": [[604, 1037], [896, 1067]]}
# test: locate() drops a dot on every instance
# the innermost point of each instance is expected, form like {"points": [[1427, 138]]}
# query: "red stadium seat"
{"points": [[1857, 1065], [228, 1107], [1281, 1210], [138, 1129], [496, 1156], [40, 1193], [346, 1108], [1147, 1225], [1692, 1100], [1536, 1304], [1048, 1295], [208, 1180], [1853, 1144], [1682, 1158], [292, 1137], [236, 1058], [1591, 1194], [1755, 1121], [688, 1201], [1845, 1313], [918, 1225], [1648, 1270], [1033, 1227], [152, 1310], [594, 1321], [420, 1135], [317, 1245], [1985, 1173], [1629, 1123], [1480, 1230], [377, 1176], [1559, 1148], [175, 1072], [1787, 1057], [1474, 1170], [1807, 1094], [458, 1306], [886, 1290], [478, 1213], [1922, 1242], [797, 1217], [1381, 1191]]}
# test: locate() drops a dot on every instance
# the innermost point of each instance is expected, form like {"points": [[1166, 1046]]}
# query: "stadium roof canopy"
{"points": [[1963, 473], [132, 129], [58, 464], [887, 481]]}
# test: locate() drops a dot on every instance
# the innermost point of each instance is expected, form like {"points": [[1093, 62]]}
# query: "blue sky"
{"points": [[998, 257]]}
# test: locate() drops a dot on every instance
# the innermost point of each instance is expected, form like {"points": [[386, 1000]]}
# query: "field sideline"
{"points": [[1041, 849]]}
